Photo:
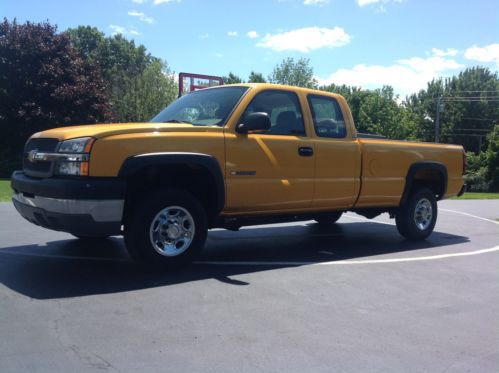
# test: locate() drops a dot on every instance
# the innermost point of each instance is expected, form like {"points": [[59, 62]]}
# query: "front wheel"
{"points": [[329, 218], [417, 217], [166, 229]]}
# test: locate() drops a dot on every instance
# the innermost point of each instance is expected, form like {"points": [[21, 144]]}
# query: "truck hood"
{"points": [[103, 130]]}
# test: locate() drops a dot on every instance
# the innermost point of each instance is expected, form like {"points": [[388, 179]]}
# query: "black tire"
{"points": [[328, 218], [408, 224], [138, 234]]}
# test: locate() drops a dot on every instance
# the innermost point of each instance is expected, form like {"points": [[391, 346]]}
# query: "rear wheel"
{"points": [[328, 218], [166, 229], [417, 217]]}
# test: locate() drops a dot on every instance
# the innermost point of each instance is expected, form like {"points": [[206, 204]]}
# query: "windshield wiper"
{"points": [[177, 121]]}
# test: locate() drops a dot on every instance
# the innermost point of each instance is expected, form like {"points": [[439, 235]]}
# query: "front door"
{"points": [[273, 170]]}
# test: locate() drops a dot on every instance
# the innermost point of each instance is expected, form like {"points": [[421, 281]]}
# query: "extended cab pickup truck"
{"points": [[227, 157]]}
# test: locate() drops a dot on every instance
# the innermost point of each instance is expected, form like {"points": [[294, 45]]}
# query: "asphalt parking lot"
{"points": [[282, 298]]}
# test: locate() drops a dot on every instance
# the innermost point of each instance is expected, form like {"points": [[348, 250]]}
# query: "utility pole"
{"points": [[440, 107]]}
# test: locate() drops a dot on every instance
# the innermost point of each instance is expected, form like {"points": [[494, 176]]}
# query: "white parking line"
{"points": [[295, 263], [367, 261], [349, 262], [470, 215]]}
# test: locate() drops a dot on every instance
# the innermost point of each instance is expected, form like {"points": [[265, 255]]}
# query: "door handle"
{"points": [[305, 151]]}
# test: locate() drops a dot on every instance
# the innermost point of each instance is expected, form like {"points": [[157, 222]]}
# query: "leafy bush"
{"points": [[43, 84]]}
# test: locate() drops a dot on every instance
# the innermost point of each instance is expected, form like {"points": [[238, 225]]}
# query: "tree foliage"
{"points": [[256, 78], [469, 111], [148, 93], [128, 70], [232, 79], [43, 84], [290, 72]]}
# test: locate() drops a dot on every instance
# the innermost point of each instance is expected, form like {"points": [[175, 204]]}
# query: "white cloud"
{"points": [[252, 34], [488, 53], [363, 3], [139, 1], [123, 31], [232, 33], [315, 2], [141, 16], [406, 76], [450, 52], [366, 2], [306, 39], [204, 36], [157, 2]]}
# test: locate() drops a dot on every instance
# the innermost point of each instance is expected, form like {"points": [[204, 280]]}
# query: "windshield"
{"points": [[207, 107]]}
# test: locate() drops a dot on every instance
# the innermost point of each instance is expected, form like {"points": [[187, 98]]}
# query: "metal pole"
{"points": [[437, 121]]}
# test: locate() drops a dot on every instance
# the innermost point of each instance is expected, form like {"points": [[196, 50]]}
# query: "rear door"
{"points": [[273, 170], [337, 155]]}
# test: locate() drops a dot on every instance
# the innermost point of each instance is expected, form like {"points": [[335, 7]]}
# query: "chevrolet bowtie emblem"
{"points": [[32, 155]]}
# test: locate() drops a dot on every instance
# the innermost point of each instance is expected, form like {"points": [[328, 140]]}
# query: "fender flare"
{"points": [[418, 166], [137, 162]]}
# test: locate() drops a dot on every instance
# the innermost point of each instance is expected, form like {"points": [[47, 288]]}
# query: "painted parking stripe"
{"points": [[347, 262], [471, 215], [294, 263]]}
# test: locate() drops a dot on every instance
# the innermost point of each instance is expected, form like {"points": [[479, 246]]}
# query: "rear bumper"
{"points": [[86, 207], [461, 192]]}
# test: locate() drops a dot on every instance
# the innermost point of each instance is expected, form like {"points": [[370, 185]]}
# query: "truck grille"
{"points": [[39, 168]]}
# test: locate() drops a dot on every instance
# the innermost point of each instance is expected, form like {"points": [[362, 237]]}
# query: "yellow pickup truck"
{"points": [[227, 157]]}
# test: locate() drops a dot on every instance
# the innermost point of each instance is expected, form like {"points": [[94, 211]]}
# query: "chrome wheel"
{"points": [[172, 231], [423, 214]]}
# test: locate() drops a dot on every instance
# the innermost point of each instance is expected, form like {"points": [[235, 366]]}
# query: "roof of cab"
{"points": [[262, 86]]}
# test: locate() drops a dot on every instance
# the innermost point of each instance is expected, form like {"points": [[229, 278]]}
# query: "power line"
{"points": [[482, 119]]}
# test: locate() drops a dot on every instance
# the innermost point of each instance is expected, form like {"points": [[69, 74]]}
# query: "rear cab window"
{"points": [[284, 110], [327, 116]]}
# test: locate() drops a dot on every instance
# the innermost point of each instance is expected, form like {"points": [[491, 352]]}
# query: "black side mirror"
{"points": [[254, 122]]}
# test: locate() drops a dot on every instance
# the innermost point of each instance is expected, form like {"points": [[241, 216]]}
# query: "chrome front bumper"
{"points": [[85, 207], [99, 210]]}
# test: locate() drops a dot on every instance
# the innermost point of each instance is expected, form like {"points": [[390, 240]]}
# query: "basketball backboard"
{"points": [[188, 82]]}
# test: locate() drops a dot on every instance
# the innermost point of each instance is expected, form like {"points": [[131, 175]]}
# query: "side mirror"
{"points": [[254, 122]]}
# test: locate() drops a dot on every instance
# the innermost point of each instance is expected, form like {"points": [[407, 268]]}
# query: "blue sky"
{"points": [[366, 43]]}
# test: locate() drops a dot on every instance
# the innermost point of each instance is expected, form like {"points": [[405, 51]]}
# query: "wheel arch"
{"points": [[203, 172], [432, 175]]}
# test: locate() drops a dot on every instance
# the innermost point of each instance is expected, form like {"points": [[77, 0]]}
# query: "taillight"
{"points": [[465, 162]]}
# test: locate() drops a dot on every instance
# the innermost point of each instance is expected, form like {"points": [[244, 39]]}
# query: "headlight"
{"points": [[76, 156], [79, 145]]}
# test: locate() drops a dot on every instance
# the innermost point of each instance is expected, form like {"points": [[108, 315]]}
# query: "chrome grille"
{"points": [[39, 168]]}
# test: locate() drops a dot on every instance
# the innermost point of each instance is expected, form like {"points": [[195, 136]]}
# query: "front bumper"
{"points": [[85, 207]]}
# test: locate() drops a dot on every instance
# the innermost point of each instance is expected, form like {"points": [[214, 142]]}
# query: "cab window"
{"points": [[327, 116], [283, 109]]}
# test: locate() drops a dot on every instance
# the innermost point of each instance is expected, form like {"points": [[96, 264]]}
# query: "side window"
{"points": [[284, 111], [328, 118]]}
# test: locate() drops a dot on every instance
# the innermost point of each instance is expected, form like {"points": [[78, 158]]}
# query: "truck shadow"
{"points": [[73, 268]]}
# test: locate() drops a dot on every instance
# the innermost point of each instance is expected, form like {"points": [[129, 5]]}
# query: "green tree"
{"points": [[476, 173], [492, 160], [470, 108], [290, 72], [256, 78], [148, 93], [87, 40], [377, 111], [232, 79], [43, 84], [127, 69]]}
